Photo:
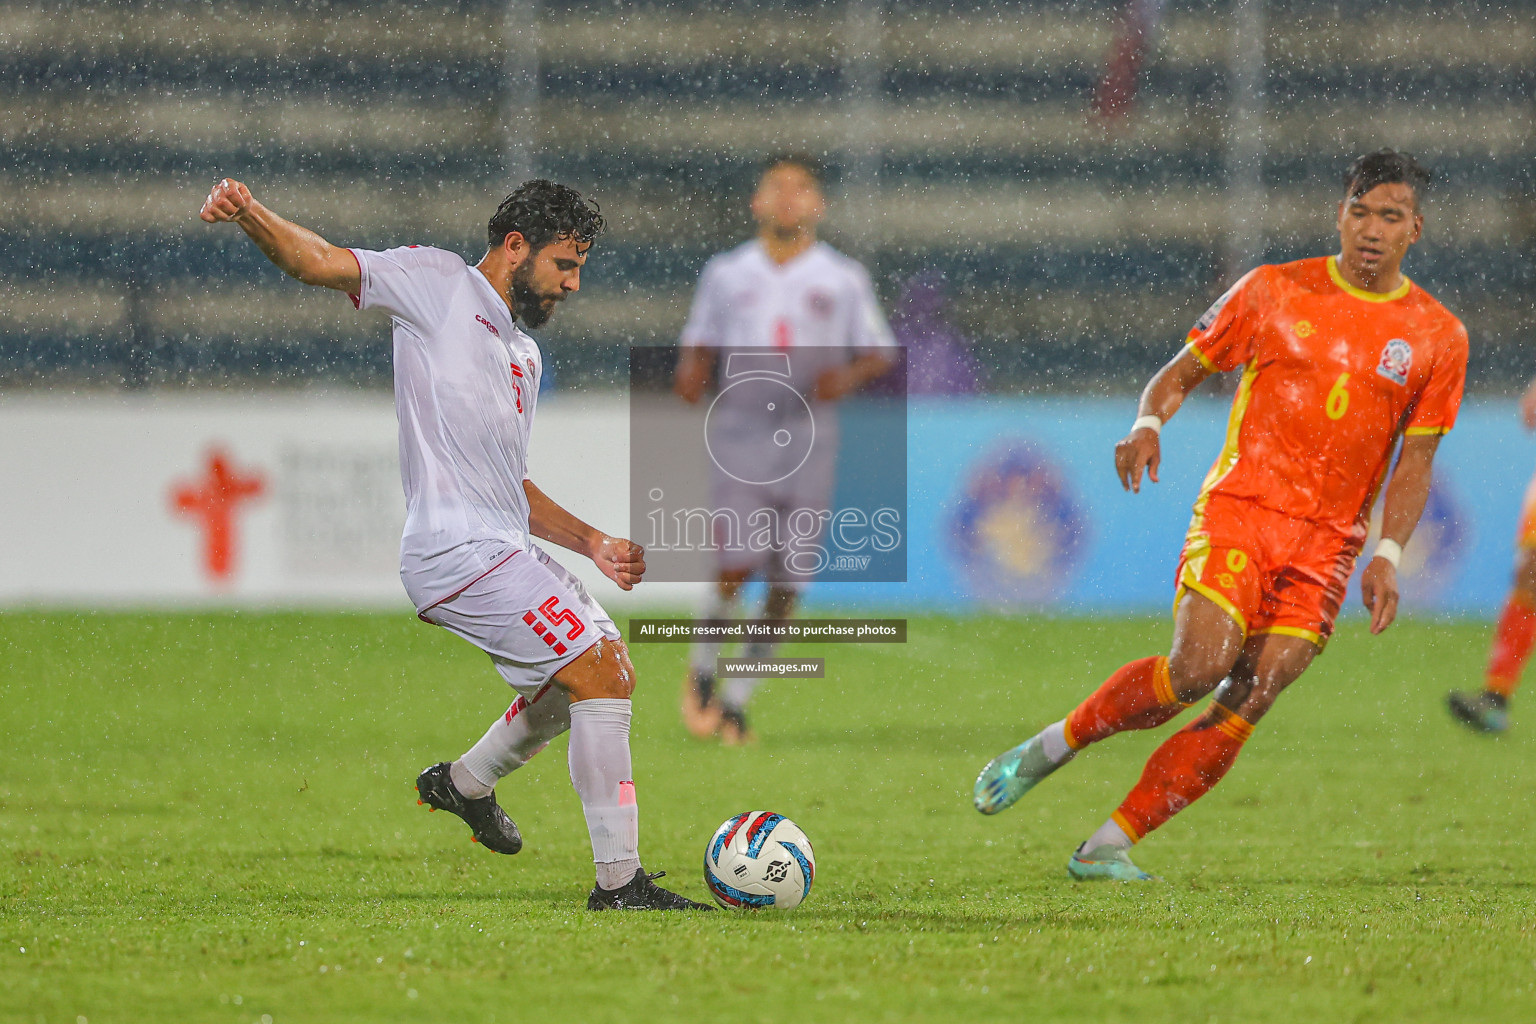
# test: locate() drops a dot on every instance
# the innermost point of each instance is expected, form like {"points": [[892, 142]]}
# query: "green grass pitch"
{"points": [[210, 818]]}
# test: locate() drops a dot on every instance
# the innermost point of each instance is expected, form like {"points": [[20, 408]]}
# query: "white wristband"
{"points": [[1152, 423], [1391, 550]]}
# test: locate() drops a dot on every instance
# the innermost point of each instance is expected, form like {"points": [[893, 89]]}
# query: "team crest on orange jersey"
{"points": [[1396, 361]]}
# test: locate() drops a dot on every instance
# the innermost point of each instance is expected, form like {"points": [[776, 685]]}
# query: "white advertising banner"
{"points": [[260, 499]]}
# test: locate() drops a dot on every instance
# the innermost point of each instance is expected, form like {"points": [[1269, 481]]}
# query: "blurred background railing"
{"points": [[1074, 248]]}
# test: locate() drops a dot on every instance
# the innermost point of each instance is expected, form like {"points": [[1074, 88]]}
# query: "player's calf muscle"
{"points": [[1269, 665]]}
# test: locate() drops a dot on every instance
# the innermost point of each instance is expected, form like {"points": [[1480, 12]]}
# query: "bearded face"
{"points": [[531, 304]]}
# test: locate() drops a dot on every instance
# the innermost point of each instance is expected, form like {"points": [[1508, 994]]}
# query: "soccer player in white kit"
{"points": [[786, 291], [466, 382]]}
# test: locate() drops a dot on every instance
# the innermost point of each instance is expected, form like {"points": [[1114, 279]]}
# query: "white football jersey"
{"points": [[814, 313], [466, 380], [819, 299]]}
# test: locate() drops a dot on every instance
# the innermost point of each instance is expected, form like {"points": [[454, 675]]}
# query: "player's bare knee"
{"points": [[605, 686], [615, 674], [616, 687], [1190, 689], [626, 668], [781, 601], [730, 583], [1195, 670], [1525, 573], [1206, 645], [603, 671], [1235, 690]]}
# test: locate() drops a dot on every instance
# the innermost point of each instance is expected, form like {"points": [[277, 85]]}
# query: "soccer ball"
{"points": [[759, 859]]}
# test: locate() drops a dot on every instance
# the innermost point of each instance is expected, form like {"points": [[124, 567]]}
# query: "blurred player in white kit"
{"points": [[466, 381], [787, 292]]}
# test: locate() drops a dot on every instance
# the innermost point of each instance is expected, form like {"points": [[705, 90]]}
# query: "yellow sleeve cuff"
{"points": [[1205, 360]]}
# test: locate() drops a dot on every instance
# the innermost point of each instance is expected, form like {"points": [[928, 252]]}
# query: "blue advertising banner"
{"points": [[1014, 503]]}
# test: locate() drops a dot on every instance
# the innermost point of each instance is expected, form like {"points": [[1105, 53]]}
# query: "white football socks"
{"points": [[603, 778], [1109, 834], [521, 732], [464, 780], [738, 690], [1053, 743], [702, 655]]}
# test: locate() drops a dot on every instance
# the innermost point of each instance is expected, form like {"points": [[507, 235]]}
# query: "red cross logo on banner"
{"points": [[213, 501]]}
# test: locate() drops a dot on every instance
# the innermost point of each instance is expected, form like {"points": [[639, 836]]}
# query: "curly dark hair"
{"points": [[542, 211], [1385, 167], [807, 163]]}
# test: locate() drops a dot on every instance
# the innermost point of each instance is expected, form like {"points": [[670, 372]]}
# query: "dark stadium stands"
{"points": [[1077, 253]]}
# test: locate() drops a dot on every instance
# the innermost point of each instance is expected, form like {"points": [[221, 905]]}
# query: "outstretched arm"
{"points": [[695, 365], [622, 561], [1141, 449], [1407, 492], [297, 251]]}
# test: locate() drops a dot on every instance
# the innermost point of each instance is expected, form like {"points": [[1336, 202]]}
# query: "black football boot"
{"points": [[490, 824], [641, 893]]}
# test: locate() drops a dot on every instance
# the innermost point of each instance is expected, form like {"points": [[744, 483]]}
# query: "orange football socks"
{"points": [[1183, 770], [1138, 696], [1511, 645]]}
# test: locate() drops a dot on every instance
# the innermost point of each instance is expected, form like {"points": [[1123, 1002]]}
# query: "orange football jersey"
{"points": [[1332, 376]]}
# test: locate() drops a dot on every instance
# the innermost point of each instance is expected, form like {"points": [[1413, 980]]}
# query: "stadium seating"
{"points": [[1077, 252]]}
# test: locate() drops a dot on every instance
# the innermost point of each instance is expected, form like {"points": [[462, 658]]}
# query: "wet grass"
{"points": [[210, 818]]}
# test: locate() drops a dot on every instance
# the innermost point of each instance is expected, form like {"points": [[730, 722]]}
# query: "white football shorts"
{"points": [[529, 614], [797, 508]]}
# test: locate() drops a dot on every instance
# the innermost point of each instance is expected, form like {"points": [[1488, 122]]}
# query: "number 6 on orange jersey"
{"points": [[1338, 399]]}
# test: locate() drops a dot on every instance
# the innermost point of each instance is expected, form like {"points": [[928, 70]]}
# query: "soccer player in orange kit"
{"points": [[1515, 635], [1341, 356]]}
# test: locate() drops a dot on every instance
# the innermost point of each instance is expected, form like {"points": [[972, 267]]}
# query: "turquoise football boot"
{"points": [[1486, 711], [1106, 863], [1011, 774]]}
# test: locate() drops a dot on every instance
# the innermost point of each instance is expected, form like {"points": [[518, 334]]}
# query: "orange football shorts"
{"points": [[1271, 572]]}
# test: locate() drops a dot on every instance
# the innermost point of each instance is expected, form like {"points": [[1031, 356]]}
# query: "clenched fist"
{"points": [[622, 561], [228, 201]]}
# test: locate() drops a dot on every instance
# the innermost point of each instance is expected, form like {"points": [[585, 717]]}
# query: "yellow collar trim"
{"points": [[1361, 293]]}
